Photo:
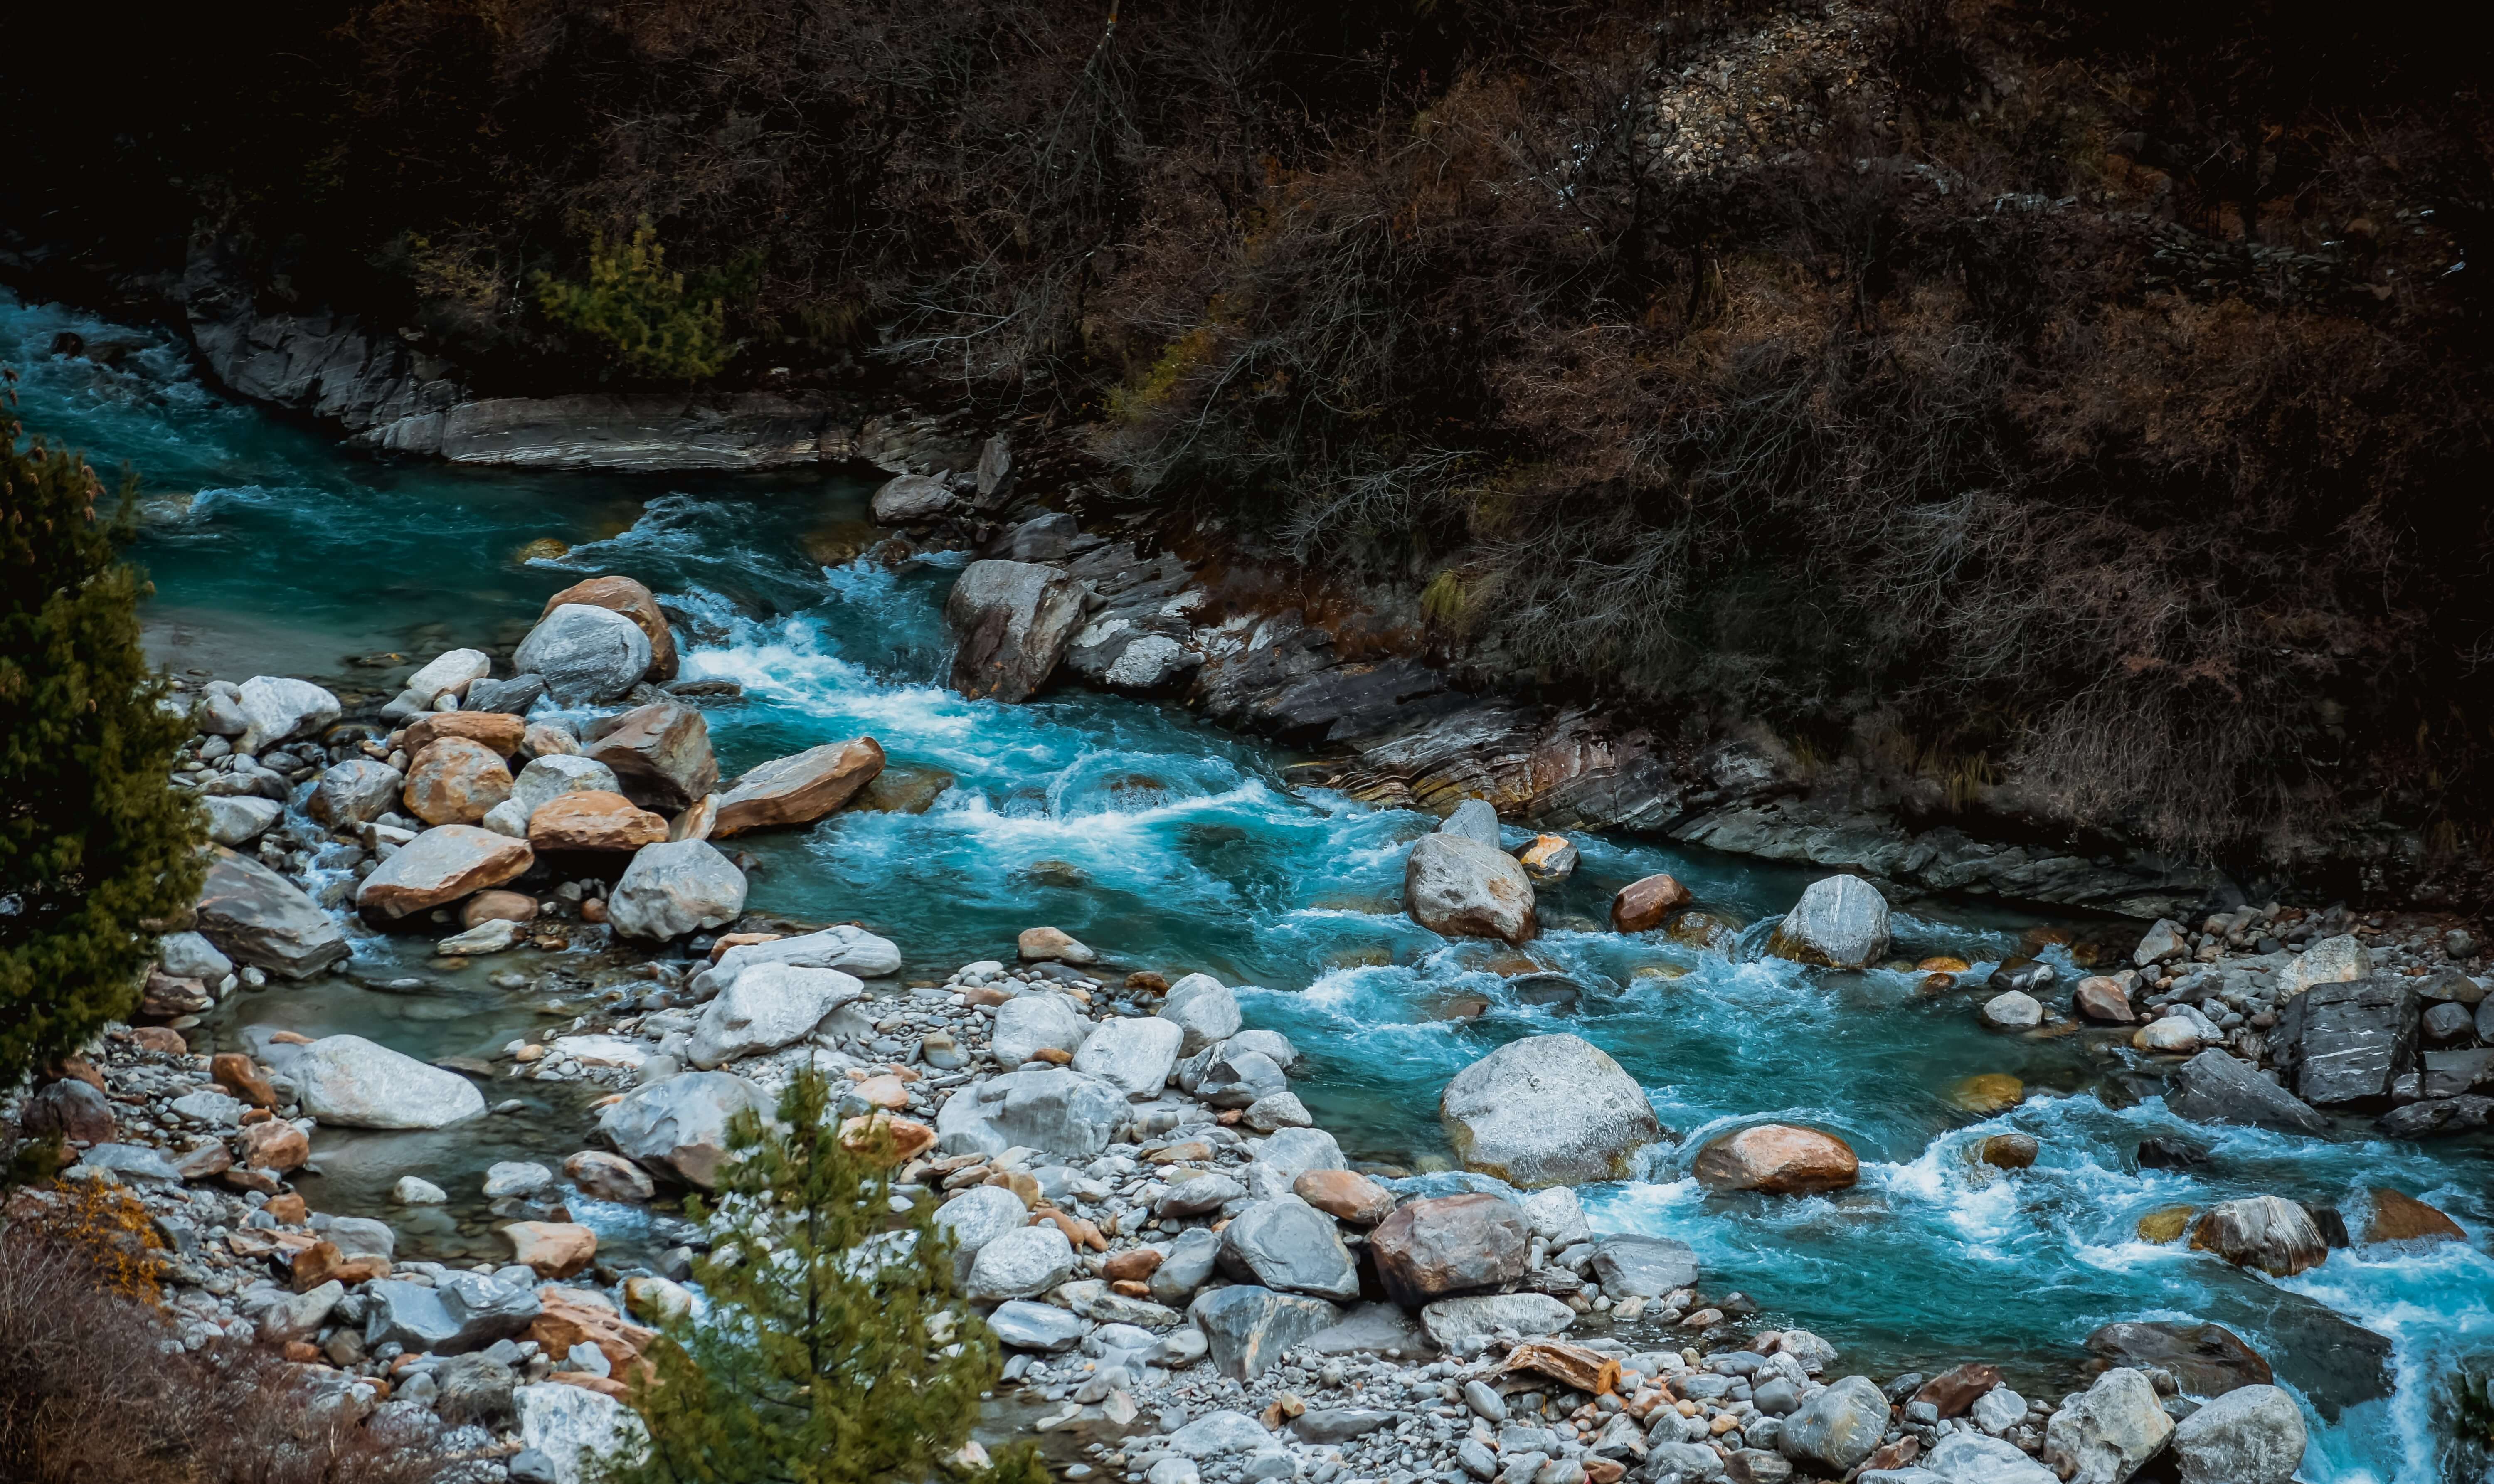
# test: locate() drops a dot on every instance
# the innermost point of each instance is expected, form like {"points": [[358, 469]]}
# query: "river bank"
{"points": [[1175, 849]]}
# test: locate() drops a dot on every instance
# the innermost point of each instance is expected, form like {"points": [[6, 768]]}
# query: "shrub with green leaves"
{"points": [[833, 1348], [651, 323], [95, 846]]}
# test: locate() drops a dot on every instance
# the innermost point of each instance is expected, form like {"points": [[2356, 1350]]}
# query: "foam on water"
{"points": [[1173, 846]]}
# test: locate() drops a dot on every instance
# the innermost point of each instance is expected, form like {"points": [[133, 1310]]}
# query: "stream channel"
{"points": [[1172, 846]]}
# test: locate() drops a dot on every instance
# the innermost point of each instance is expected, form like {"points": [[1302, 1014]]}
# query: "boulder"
{"points": [[188, 955], [1042, 945], [2217, 1087], [1777, 1159], [239, 819], [2166, 940], [1289, 1246], [1970, 1457], [440, 866], [1457, 886], [551, 1249], [2168, 1036], [1274, 1047], [1643, 903], [350, 1083], [680, 1124], [603, 1176], [1032, 1023], [2105, 1434], [277, 709], [1249, 1327], [586, 653], [594, 821], [1449, 1244], [1630, 1265], [1458, 1324], [497, 732], [449, 673], [1837, 1429], [1204, 1010], [1558, 1218], [1218, 1433], [2341, 1043], [2205, 1359], [1021, 1264], [255, 916], [460, 1312], [511, 697], [1840, 923], [2099, 998], [676, 888], [1548, 1110], [661, 754], [623, 595], [2337, 960], [1549, 860], [978, 1216], [354, 792], [454, 780], [2276, 1235], [767, 1007], [73, 1111], [1342, 1195], [1239, 1079], [1038, 1108], [847, 947], [579, 1433], [2012, 1010], [799, 789], [906, 500], [1189, 1265], [2251, 1434], [1474, 819], [552, 775], [1015, 620], [2402, 1218], [1134, 1052]]}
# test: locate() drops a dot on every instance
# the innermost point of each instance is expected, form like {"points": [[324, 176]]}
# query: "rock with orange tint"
{"points": [[1642, 904], [553, 1249], [661, 752], [235, 1073], [910, 1140], [623, 595], [323, 1263], [2402, 1218], [1345, 1195], [498, 907], [454, 781], [728, 940], [275, 1145], [497, 731], [1777, 1159], [1453, 884], [799, 789], [883, 1092], [1133, 1266], [570, 1316], [593, 821], [440, 866], [2099, 998], [161, 1039], [1550, 857]]}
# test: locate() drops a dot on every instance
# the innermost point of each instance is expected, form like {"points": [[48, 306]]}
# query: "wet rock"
{"points": [[1643, 905], [2105, 1435], [632, 600], [459, 1312], [2343, 1043], [1952, 1393], [1014, 621], [1549, 860], [2330, 961], [256, 916], [440, 866], [1777, 1159], [906, 500], [2012, 1010], [661, 754], [1458, 1324], [1032, 1023], [2402, 1218], [768, 1006], [2215, 1087], [676, 888], [498, 907], [551, 1249], [1135, 1052], [2099, 998], [417, 1191], [1474, 819], [593, 821], [2440, 1117], [799, 789], [239, 819], [488, 937], [1548, 1110], [680, 1124], [1039, 1108], [1021, 1264], [1022, 1325], [495, 732], [586, 653], [1290, 1247], [603, 1176], [1203, 1009], [577, 1432], [1343, 1196], [2277, 1237], [1040, 945], [277, 709], [1837, 1428], [2253, 1434], [1239, 1079], [1629, 1265], [1840, 922], [1459, 886], [2205, 1359], [347, 1082], [1249, 1327], [2009, 1151]]}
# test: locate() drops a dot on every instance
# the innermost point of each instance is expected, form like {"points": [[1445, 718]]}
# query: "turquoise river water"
{"points": [[1172, 845]]}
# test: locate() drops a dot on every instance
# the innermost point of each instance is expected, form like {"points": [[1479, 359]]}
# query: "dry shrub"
{"points": [[95, 1387]]}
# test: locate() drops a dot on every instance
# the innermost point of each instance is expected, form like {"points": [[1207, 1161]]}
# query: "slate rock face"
{"points": [[2217, 1087], [2342, 1044]]}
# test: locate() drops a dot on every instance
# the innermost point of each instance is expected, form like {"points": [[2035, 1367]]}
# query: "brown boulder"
{"points": [[604, 1176], [2402, 1218], [72, 1109], [159, 1038], [454, 780], [2099, 998], [1953, 1391], [569, 1316], [498, 907], [1451, 1244], [1345, 1195], [500, 732], [235, 1073], [553, 1249], [1777, 1159], [661, 754], [594, 819], [866, 1132], [323, 1263], [1642, 904], [275, 1145], [2009, 1151], [698, 820], [634, 601], [440, 866], [799, 789]]}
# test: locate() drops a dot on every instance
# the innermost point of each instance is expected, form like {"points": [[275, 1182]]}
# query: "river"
{"points": [[1172, 845]]}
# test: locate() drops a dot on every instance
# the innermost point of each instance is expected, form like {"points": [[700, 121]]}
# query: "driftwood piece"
{"points": [[1588, 1370]]}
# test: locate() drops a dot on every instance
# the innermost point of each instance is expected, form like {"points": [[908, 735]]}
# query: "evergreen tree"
{"points": [[93, 845], [651, 322], [833, 1349]]}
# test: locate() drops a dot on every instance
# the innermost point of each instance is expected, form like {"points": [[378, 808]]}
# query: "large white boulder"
{"points": [[1042, 1108], [1015, 620], [586, 653], [1840, 923], [1135, 1052], [2251, 1434], [1028, 1024], [1548, 1110], [1455, 885], [1201, 1007], [351, 1082], [2105, 1434], [276, 710], [847, 947], [675, 888], [766, 1008], [582, 1434]]}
